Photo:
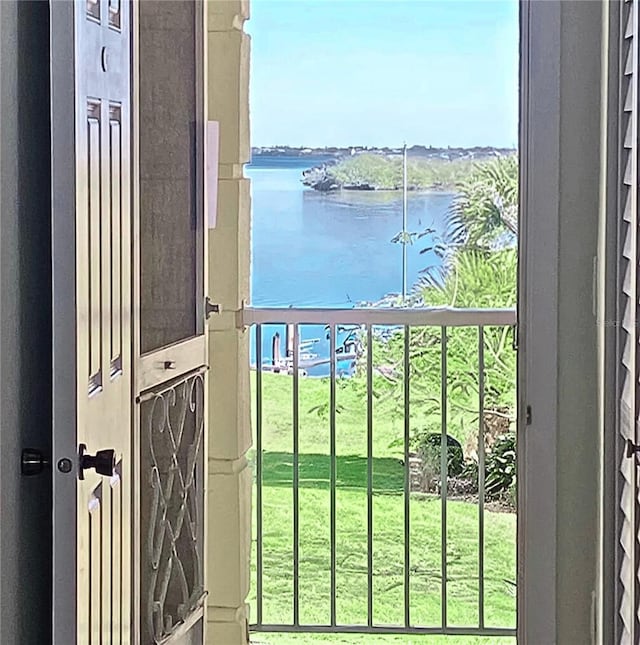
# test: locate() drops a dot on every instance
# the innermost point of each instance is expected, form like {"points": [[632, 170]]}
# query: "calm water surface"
{"points": [[312, 249]]}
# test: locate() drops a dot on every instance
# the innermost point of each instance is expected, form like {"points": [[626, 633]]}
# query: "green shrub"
{"points": [[429, 451], [470, 473], [501, 467], [511, 495]]}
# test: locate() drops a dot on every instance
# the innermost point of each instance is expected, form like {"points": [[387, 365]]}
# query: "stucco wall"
{"points": [[230, 478], [25, 363]]}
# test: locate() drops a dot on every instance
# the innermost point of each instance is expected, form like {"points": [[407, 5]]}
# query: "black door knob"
{"points": [[32, 462], [103, 462]]}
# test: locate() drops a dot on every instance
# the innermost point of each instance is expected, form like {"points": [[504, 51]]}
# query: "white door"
{"points": [[92, 349], [129, 348]]}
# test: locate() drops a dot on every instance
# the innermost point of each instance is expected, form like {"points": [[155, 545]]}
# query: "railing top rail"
{"points": [[432, 316]]}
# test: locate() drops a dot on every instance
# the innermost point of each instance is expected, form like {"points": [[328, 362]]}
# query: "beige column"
{"points": [[229, 506]]}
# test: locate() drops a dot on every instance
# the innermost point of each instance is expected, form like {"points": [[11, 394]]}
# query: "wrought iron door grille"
{"points": [[172, 505]]}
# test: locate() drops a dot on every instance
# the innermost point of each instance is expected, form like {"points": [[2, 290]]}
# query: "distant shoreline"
{"points": [[445, 190], [373, 172], [416, 151], [357, 169]]}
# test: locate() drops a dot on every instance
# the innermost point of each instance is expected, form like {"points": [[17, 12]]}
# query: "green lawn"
{"points": [[388, 521], [368, 639]]}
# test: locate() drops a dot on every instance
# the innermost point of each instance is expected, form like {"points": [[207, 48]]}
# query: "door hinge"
{"points": [[514, 338], [632, 449], [210, 308], [528, 415]]}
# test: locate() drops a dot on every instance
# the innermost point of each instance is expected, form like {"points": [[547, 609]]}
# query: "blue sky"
{"points": [[379, 72]]}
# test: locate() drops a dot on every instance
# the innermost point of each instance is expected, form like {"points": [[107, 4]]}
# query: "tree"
{"points": [[482, 220], [485, 211], [478, 270]]}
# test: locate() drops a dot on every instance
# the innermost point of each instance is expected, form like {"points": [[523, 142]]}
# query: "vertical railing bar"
{"points": [[333, 475], [370, 475], [296, 479], [407, 475], [332, 450], [259, 474], [443, 473], [481, 476]]}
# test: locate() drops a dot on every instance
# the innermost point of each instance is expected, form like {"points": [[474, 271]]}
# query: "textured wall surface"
{"points": [[230, 479]]}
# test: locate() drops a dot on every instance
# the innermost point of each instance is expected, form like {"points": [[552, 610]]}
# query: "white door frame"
{"points": [[559, 431], [63, 234], [608, 304], [537, 332]]}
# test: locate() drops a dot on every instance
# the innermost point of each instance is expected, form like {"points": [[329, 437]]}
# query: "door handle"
{"points": [[103, 462]]}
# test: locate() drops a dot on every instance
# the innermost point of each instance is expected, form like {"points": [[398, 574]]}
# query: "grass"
{"points": [[368, 639], [425, 579]]}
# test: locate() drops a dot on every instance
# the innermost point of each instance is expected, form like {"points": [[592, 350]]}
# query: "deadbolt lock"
{"points": [[32, 462]]}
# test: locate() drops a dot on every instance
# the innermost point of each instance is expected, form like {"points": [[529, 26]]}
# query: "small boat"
{"points": [[349, 350]]}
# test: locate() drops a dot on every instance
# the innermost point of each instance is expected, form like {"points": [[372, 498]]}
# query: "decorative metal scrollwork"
{"points": [[172, 503]]}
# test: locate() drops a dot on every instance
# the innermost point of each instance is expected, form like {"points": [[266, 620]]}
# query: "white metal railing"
{"points": [[434, 316], [402, 320]]}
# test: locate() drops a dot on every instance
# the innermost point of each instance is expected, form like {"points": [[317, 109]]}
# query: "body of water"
{"points": [[312, 249]]}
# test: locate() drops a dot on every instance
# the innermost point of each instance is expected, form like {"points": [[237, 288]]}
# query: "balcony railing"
{"points": [[283, 572]]}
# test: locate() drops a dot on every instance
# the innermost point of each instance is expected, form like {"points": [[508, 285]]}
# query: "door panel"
{"points": [[171, 346], [159, 366], [170, 181], [128, 553], [172, 505], [93, 375]]}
